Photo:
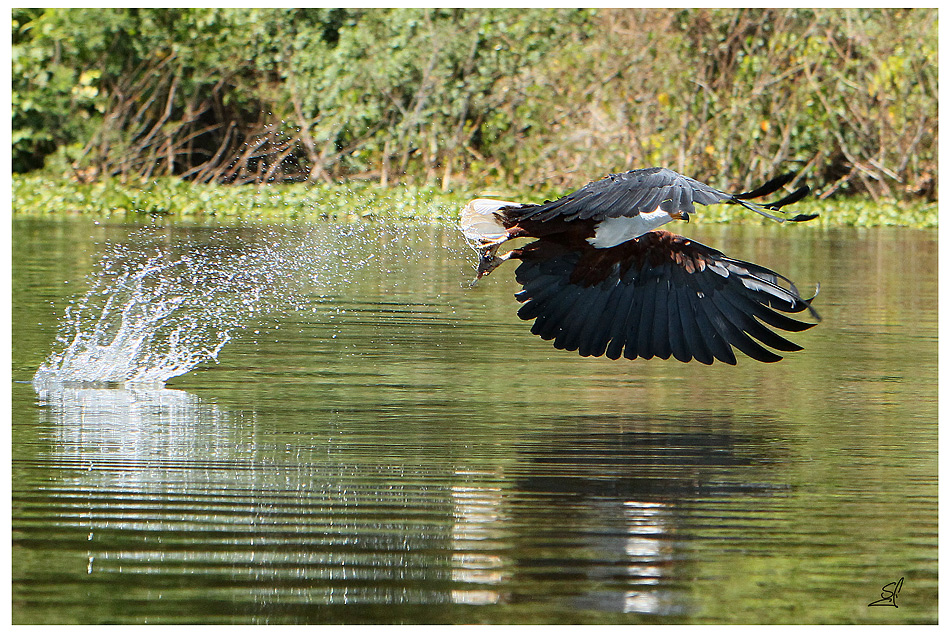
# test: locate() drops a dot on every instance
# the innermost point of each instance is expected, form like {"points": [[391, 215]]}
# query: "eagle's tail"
{"points": [[481, 221]]}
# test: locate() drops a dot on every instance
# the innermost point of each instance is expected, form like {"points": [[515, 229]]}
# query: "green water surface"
{"points": [[400, 449]]}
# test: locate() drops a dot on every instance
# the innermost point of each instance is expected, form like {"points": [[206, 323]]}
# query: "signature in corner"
{"points": [[889, 594]]}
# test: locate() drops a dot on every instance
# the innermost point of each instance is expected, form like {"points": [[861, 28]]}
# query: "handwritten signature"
{"points": [[889, 594]]}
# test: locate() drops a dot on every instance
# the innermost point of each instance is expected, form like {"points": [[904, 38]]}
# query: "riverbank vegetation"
{"points": [[34, 194], [126, 106]]}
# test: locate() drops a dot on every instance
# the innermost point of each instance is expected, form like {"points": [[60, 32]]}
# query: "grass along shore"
{"points": [[38, 194]]}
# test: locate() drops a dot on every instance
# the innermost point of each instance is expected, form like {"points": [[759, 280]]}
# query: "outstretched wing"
{"points": [[658, 295], [642, 191]]}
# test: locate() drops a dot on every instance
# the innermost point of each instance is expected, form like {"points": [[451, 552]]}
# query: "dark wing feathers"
{"points": [[752, 327], [659, 295], [661, 339], [642, 191], [695, 343], [600, 327], [770, 187], [730, 324], [618, 324], [645, 325], [626, 194], [709, 320], [678, 344], [549, 323], [683, 201]]}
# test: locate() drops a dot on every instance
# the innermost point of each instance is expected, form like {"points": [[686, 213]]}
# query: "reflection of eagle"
{"points": [[600, 279]]}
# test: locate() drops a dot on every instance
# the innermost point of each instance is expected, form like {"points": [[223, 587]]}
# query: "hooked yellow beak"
{"points": [[680, 215]]}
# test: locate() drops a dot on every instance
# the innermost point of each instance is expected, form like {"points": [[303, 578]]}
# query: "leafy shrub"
{"points": [[486, 97]]}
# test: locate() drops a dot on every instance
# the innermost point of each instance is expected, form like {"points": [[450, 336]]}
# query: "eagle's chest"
{"points": [[613, 231]]}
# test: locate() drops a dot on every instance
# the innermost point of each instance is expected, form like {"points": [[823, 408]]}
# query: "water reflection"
{"points": [[650, 554], [590, 512], [105, 427], [478, 514], [167, 486], [623, 496]]}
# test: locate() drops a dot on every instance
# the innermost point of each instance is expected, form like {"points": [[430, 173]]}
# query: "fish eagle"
{"points": [[601, 277]]}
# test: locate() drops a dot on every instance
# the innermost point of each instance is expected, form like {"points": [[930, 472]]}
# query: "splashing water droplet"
{"points": [[157, 307], [155, 311]]}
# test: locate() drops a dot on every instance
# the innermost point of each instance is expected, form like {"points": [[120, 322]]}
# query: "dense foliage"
{"points": [[35, 194], [483, 97]]}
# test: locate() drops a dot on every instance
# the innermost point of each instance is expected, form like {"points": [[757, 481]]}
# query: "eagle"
{"points": [[602, 278]]}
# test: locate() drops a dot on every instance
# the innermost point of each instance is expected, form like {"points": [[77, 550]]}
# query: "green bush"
{"points": [[533, 99]]}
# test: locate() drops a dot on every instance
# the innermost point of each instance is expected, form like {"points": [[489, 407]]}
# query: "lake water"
{"points": [[376, 443]]}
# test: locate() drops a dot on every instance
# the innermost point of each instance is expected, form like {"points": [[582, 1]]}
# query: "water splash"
{"points": [[155, 310], [158, 306]]}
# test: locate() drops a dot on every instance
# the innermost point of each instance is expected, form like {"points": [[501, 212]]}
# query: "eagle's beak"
{"points": [[680, 215]]}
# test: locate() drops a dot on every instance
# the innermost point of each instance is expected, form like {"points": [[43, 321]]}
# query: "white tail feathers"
{"points": [[479, 222]]}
